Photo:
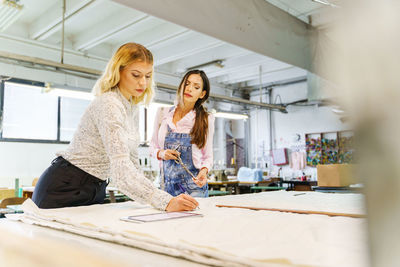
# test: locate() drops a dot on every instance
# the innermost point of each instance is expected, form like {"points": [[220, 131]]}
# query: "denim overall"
{"points": [[176, 179]]}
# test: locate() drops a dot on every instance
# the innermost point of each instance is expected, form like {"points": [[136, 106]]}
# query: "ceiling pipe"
{"points": [[53, 28], [49, 63], [277, 84], [217, 63], [231, 99], [38, 44], [77, 69], [62, 31]]}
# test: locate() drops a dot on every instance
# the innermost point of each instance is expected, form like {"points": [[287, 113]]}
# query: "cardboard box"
{"points": [[335, 175], [6, 193]]}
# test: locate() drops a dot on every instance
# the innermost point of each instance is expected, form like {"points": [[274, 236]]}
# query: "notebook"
{"points": [[161, 216]]}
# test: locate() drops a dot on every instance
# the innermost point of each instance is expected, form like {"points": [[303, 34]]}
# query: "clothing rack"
{"points": [[297, 148]]}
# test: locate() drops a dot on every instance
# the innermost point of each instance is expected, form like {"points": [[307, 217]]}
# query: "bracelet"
{"points": [[160, 154], [204, 168]]}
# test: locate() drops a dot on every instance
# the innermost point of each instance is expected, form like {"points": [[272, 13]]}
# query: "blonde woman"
{"points": [[106, 142]]}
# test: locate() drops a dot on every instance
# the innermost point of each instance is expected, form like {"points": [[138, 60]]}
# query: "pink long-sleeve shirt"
{"points": [[201, 157]]}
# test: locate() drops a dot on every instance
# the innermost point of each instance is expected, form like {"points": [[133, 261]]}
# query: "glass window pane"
{"points": [[29, 113], [151, 116], [141, 123], [71, 110]]}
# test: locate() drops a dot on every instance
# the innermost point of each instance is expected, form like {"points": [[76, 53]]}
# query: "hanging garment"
{"points": [[298, 160], [176, 179]]}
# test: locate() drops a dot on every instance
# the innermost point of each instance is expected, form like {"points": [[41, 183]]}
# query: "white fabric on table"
{"points": [[226, 236]]}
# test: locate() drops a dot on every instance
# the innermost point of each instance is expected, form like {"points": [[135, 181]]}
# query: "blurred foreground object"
{"points": [[17, 249], [365, 66]]}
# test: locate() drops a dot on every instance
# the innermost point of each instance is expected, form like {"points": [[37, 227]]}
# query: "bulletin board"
{"points": [[280, 157], [329, 148]]}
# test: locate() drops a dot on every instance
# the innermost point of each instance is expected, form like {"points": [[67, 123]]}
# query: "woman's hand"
{"points": [[182, 202], [201, 178], [168, 154]]}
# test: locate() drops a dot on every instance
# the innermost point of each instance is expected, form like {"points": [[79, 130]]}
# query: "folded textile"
{"points": [[249, 175], [229, 237]]}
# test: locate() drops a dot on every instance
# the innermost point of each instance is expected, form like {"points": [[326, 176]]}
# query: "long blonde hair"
{"points": [[125, 55]]}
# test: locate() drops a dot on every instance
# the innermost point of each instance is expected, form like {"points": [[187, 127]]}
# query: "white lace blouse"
{"points": [[105, 145]]}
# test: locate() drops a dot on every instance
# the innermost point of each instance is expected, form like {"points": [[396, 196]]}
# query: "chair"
{"points": [[12, 201], [34, 182]]}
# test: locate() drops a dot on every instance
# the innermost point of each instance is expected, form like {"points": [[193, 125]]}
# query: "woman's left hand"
{"points": [[201, 178]]}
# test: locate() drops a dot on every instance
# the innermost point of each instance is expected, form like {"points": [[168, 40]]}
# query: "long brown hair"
{"points": [[199, 131]]}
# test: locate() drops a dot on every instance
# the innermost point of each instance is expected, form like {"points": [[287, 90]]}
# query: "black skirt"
{"points": [[65, 185]]}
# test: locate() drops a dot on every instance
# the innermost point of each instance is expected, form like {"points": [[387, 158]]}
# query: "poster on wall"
{"points": [[280, 157]]}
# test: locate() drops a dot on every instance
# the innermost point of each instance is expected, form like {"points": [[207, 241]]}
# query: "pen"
{"points": [[182, 189], [186, 193]]}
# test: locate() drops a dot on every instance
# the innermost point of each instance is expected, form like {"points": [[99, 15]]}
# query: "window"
{"points": [[151, 117], [28, 113], [142, 124], [71, 110]]}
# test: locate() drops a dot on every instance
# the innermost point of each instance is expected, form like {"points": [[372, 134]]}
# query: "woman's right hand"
{"points": [[182, 202], [168, 154]]}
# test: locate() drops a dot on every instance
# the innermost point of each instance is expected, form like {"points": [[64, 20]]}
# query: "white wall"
{"points": [[258, 149], [298, 120], [25, 161], [219, 144]]}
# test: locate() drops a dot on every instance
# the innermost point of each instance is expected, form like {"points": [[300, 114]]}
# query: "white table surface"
{"points": [[310, 240], [128, 256]]}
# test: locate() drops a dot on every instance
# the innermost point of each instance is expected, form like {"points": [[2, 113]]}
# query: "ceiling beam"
{"points": [[48, 51], [241, 63], [255, 25], [231, 99], [253, 72], [226, 52], [109, 27], [49, 63], [158, 35], [51, 20], [185, 45], [272, 78], [164, 38]]}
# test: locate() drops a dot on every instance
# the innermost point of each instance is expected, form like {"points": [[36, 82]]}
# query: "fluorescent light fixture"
{"points": [[10, 11], [232, 116], [71, 94], [68, 93], [338, 111], [65, 91], [325, 2]]}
